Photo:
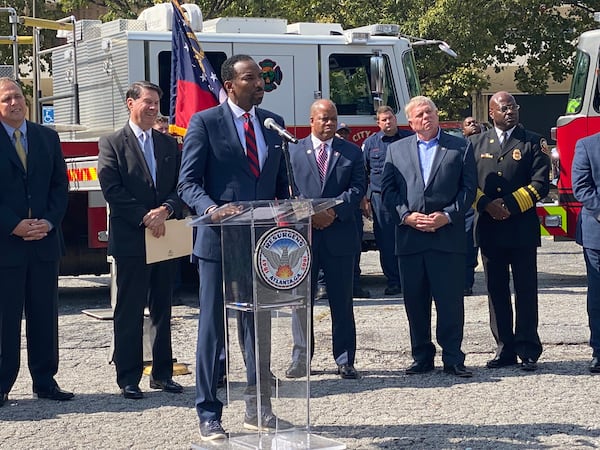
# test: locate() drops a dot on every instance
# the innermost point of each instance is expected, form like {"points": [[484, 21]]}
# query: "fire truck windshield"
{"points": [[582, 66]]}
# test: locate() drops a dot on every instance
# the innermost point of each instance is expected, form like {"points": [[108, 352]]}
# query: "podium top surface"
{"points": [[265, 212]]}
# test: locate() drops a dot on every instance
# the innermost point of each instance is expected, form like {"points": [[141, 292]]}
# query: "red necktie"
{"points": [[251, 150]]}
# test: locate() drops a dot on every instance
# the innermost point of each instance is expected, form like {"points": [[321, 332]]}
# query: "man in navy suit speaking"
{"points": [[228, 156], [429, 182]]}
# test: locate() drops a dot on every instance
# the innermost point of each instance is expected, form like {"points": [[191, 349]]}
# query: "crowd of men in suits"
{"points": [[419, 185]]}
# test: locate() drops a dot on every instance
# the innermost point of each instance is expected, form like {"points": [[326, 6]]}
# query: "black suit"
{"points": [[130, 192], [431, 264], [518, 173], [29, 270]]}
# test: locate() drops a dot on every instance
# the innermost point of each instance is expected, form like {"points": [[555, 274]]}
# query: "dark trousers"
{"points": [[472, 250], [518, 337], [33, 288], [211, 340], [434, 275], [592, 265], [338, 279], [359, 230], [384, 230], [140, 285]]}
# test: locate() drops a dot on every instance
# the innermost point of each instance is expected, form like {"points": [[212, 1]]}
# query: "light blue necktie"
{"points": [[148, 156]]}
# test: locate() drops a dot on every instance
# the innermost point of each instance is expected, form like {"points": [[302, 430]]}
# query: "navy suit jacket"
{"points": [[345, 180], [128, 187], [43, 188], [451, 188], [215, 170], [586, 188]]}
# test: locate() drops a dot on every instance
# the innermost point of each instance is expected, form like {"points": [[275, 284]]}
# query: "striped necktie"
{"points": [[251, 149], [20, 149], [322, 160]]}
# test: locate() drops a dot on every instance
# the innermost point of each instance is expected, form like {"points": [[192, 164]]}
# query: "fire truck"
{"points": [[582, 118], [359, 69]]}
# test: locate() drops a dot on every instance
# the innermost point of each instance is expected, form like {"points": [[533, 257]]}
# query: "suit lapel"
{"points": [[334, 156], [10, 150], [413, 154], [227, 124], [439, 155], [132, 146]]}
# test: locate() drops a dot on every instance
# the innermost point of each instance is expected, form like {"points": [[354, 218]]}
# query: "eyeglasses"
{"points": [[505, 108]]}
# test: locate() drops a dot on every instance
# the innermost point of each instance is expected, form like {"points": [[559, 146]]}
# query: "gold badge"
{"points": [[486, 156], [517, 154]]}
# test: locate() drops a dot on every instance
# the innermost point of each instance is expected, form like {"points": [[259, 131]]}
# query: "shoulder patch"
{"points": [[544, 146]]}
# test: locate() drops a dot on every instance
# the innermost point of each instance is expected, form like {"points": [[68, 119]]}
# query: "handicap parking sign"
{"points": [[47, 114]]}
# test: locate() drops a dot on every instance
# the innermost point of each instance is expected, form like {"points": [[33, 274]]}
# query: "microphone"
{"points": [[270, 124]]}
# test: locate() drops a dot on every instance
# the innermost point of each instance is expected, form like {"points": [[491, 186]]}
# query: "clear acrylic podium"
{"points": [[266, 259]]}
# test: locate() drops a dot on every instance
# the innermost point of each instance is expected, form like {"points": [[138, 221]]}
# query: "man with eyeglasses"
{"points": [[513, 174]]}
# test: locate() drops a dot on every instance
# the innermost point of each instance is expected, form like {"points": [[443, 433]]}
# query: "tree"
{"points": [[540, 36]]}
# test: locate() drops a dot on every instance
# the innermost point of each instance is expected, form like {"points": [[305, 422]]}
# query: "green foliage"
{"points": [[539, 36]]}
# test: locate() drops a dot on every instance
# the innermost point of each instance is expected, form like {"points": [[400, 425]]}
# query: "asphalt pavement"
{"points": [[555, 407]]}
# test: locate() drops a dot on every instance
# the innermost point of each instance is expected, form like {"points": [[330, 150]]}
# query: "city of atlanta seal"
{"points": [[282, 258]]}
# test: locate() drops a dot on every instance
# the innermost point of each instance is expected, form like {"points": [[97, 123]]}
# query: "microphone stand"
{"points": [[288, 167]]}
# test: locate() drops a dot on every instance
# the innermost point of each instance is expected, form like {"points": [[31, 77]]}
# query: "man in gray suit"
{"points": [[429, 182], [138, 168]]}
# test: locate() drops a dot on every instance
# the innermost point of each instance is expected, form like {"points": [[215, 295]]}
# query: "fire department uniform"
{"points": [[518, 173]]}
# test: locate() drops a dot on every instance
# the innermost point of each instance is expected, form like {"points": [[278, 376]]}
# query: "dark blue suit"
{"points": [[586, 183], [215, 171], [29, 269], [335, 247], [432, 264]]}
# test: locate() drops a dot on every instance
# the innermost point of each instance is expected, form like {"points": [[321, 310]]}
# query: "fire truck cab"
{"points": [[359, 69], [582, 118]]}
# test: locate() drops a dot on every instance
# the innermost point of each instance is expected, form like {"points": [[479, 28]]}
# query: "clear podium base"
{"points": [[288, 440]]}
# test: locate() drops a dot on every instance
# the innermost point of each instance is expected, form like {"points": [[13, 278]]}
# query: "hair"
{"points": [[418, 101], [227, 69], [135, 90], [4, 80], [384, 109], [161, 119]]}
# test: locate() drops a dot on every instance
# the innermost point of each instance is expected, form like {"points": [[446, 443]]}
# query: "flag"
{"points": [[194, 83]]}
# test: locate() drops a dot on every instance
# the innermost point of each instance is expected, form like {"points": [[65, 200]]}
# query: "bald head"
{"points": [[504, 110], [323, 119]]}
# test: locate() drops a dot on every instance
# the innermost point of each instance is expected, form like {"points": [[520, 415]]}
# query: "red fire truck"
{"points": [[358, 69], [582, 118]]}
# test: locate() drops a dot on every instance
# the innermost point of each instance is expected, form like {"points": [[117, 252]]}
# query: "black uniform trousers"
{"points": [[518, 337]]}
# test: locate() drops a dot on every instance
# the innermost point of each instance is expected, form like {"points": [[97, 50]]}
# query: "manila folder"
{"points": [[176, 242]]}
